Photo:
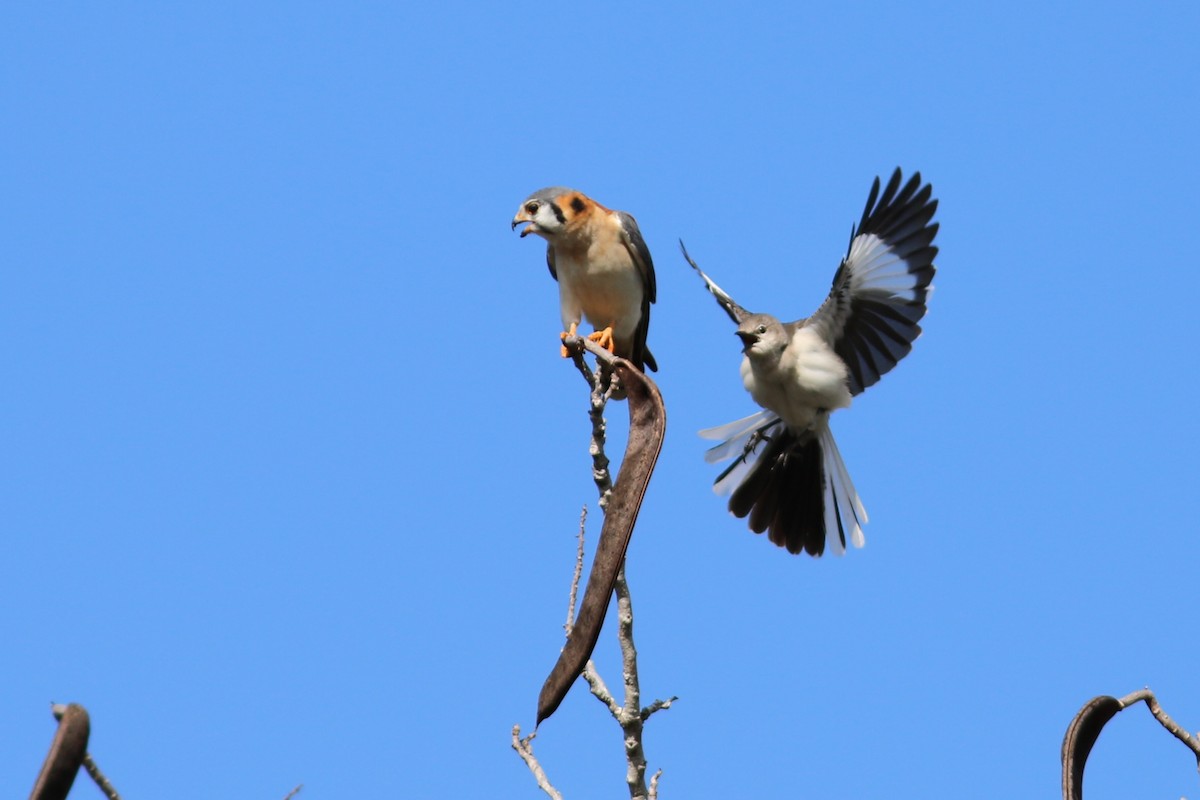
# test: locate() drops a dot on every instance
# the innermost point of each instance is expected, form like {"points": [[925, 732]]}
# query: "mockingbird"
{"points": [[787, 474]]}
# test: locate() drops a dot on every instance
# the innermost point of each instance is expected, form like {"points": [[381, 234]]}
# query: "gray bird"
{"points": [[787, 474]]}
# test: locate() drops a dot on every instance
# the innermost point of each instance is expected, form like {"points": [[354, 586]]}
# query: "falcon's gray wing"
{"points": [[880, 289], [641, 256], [631, 236]]}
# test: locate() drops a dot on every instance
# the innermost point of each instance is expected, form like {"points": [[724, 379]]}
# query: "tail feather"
{"points": [[851, 512], [796, 489], [738, 436]]}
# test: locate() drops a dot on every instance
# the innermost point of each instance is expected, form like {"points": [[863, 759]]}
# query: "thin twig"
{"points": [[600, 387], [1145, 695], [600, 690], [653, 791], [293, 792], [101, 781], [656, 706], [576, 348], [578, 572], [524, 748]]}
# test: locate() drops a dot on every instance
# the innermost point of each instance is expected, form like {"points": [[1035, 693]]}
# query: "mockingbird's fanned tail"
{"points": [[794, 488]]}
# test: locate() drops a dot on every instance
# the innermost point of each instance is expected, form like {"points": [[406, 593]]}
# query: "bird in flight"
{"points": [[602, 266], [787, 475]]}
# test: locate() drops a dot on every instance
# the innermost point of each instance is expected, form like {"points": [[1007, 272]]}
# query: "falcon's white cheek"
{"points": [[546, 223]]}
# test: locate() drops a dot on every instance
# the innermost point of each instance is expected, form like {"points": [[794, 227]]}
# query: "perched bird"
{"points": [[602, 266], [788, 476]]}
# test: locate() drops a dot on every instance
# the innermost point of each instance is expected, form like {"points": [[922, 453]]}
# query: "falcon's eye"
{"points": [[531, 208], [761, 329]]}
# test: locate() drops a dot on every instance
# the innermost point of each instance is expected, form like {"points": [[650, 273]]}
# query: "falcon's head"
{"points": [[551, 211], [762, 336]]}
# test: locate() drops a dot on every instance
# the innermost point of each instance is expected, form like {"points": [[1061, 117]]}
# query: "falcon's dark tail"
{"points": [[648, 361], [800, 494], [641, 356]]}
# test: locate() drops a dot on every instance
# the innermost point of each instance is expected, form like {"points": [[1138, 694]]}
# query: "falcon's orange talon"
{"points": [[564, 335], [603, 338]]}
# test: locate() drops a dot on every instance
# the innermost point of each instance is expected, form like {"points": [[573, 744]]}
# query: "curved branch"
{"points": [[1081, 736], [1174, 728], [1085, 729], [647, 427], [67, 751]]}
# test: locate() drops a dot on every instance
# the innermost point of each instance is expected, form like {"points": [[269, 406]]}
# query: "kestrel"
{"points": [[602, 266]]}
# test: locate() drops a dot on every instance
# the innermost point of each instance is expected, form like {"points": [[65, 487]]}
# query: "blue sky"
{"points": [[292, 470]]}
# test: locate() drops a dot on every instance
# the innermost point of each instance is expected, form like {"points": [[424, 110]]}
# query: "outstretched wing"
{"points": [[735, 312], [880, 289]]}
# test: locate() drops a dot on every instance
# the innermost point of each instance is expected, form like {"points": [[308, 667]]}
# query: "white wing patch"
{"points": [[875, 267]]}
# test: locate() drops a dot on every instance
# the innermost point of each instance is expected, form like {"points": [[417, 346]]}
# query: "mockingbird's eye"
{"points": [[761, 329]]}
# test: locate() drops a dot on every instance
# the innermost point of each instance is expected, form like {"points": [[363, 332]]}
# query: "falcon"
{"points": [[602, 266], [787, 475]]}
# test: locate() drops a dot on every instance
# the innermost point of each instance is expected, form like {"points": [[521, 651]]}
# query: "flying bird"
{"points": [[602, 266], [787, 474]]}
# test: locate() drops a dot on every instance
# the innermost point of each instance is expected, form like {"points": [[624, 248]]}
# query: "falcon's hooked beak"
{"points": [[524, 217]]}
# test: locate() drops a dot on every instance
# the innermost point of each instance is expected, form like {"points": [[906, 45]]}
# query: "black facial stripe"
{"points": [[558, 213]]}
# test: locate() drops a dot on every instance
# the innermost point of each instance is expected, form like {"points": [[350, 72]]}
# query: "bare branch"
{"points": [[1085, 728], [68, 752], [1175, 729], [578, 572], [293, 792], [576, 346], [524, 748], [68, 748], [600, 689], [99, 779], [630, 717], [656, 706], [614, 378], [653, 790], [647, 427], [600, 389]]}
